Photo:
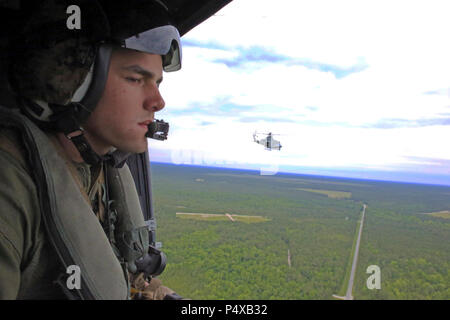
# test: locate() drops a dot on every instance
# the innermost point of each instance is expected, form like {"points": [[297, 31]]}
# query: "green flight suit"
{"points": [[28, 263]]}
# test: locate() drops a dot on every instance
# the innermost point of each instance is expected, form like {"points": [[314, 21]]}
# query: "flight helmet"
{"points": [[58, 71]]}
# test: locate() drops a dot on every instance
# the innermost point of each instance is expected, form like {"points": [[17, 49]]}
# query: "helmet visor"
{"points": [[164, 41]]}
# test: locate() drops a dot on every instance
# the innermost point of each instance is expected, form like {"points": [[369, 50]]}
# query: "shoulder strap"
{"points": [[70, 166]]}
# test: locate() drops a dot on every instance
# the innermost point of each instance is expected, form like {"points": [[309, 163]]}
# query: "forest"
{"points": [[313, 217]]}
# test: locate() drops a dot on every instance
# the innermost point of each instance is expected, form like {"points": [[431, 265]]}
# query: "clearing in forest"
{"points": [[440, 214], [221, 217], [330, 193]]}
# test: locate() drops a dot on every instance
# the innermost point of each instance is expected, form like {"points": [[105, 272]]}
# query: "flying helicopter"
{"points": [[268, 142]]}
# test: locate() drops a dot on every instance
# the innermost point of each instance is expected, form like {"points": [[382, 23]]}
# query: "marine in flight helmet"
{"points": [[59, 73]]}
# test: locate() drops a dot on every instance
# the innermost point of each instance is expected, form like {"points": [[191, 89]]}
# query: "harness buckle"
{"points": [[75, 134]]}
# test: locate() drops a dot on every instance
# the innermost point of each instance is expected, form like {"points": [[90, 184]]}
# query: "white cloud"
{"points": [[403, 43]]}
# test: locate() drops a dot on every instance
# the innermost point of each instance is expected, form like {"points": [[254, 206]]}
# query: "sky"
{"points": [[357, 89]]}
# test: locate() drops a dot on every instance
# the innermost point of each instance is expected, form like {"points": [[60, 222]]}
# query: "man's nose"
{"points": [[154, 101]]}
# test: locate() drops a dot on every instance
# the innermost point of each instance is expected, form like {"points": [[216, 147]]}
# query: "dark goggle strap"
{"points": [[69, 126]]}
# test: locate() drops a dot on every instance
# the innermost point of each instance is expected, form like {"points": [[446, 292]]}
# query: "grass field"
{"points": [[440, 214], [330, 193], [220, 217]]}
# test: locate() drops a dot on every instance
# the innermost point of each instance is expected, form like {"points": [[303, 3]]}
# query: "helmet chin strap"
{"points": [[62, 119], [75, 134], [67, 123]]}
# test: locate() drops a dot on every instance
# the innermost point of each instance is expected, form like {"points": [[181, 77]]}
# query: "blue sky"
{"points": [[355, 88]]}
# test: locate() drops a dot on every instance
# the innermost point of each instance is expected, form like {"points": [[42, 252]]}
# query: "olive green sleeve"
{"points": [[9, 269], [19, 223]]}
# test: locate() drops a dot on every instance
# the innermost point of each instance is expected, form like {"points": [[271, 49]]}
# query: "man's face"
{"points": [[129, 102]]}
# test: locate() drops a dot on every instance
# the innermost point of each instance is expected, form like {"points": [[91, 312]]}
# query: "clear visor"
{"points": [[164, 41]]}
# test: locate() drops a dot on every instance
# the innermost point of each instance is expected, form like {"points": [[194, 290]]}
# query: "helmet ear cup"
{"points": [[98, 82]]}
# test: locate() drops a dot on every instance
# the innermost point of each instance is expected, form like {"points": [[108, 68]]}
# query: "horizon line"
{"points": [[339, 175]]}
